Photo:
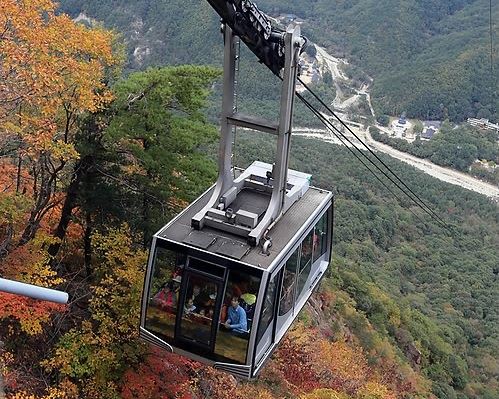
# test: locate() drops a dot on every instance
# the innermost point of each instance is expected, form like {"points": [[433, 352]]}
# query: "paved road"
{"points": [[445, 174]]}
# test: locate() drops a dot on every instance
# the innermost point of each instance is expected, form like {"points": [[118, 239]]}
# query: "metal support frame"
{"points": [[279, 201]]}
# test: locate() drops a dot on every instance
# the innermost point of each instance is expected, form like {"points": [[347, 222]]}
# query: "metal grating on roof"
{"points": [[200, 239], [232, 249]]}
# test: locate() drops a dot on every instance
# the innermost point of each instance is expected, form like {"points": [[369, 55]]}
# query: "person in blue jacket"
{"points": [[236, 318]]}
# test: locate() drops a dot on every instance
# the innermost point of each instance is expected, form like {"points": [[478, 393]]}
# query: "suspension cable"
{"points": [[421, 203], [337, 133], [333, 129]]}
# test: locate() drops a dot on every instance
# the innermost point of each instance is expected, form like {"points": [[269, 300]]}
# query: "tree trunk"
{"points": [[80, 171], [87, 244]]}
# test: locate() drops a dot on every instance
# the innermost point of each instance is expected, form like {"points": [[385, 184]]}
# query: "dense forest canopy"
{"points": [[429, 58]]}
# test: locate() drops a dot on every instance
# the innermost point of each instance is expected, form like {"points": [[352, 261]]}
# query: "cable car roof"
{"points": [[285, 233]]}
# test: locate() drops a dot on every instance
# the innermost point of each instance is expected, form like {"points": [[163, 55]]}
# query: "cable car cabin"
{"points": [[214, 298]]}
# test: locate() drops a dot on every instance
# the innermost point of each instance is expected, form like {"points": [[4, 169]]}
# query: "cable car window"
{"points": [[198, 309], [305, 262], [164, 292], [268, 308], [306, 250], [206, 267], [236, 316], [288, 284], [320, 237]]}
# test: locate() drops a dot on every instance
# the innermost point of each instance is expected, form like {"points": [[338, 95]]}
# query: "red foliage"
{"points": [[293, 361], [29, 312], [162, 375]]}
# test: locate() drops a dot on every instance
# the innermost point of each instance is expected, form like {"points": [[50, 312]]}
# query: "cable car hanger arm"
{"points": [[254, 28]]}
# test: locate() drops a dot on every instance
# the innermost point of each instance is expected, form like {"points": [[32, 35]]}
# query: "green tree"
{"points": [[417, 128], [158, 128], [383, 120]]}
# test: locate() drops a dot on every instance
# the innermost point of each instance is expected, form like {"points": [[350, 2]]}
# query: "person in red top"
{"points": [[166, 297]]}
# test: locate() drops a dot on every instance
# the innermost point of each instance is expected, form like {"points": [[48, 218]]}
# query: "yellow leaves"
{"points": [[346, 361], [250, 391], [6, 359], [65, 390], [325, 393], [95, 352], [63, 151], [39, 272], [13, 207], [374, 390], [10, 127], [51, 71], [30, 314], [340, 368]]}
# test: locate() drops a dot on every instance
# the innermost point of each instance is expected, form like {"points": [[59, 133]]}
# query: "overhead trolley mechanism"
{"points": [[219, 212]]}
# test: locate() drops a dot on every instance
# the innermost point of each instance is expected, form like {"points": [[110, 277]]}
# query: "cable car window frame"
{"points": [[251, 329], [181, 338], [275, 278], [324, 236], [152, 263], [205, 256], [306, 267], [220, 283], [293, 285]]}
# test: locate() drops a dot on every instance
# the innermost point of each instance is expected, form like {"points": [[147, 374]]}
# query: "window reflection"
{"points": [[164, 292], [320, 237], [288, 285], [236, 316], [305, 263], [268, 308]]}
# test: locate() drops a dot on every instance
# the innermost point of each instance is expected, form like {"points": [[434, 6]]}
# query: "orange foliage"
{"points": [[344, 365], [320, 368], [30, 313], [47, 63], [51, 72], [294, 361], [65, 390], [325, 393]]}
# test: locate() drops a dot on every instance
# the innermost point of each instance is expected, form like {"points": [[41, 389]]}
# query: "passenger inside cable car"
{"points": [[199, 307]]}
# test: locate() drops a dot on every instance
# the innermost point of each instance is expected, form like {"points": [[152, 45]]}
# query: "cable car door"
{"points": [[199, 310]]}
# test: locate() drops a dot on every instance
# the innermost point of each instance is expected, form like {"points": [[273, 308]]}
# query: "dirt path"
{"points": [[332, 64]]}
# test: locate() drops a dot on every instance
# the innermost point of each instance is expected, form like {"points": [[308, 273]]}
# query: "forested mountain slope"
{"points": [[431, 292], [429, 58], [94, 162]]}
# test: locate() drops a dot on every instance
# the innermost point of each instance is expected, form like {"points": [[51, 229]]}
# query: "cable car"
{"points": [[193, 276], [227, 277]]}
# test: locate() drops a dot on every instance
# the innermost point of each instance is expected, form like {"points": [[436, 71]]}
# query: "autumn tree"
{"points": [[145, 152], [51, 73], [95, 355]]}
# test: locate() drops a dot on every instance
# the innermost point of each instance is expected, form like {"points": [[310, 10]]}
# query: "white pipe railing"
{"points": [[33, 291]]}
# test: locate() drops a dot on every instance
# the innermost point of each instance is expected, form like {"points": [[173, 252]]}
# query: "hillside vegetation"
{"points": [[429, 58], [428, 291], [93, 162]]}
